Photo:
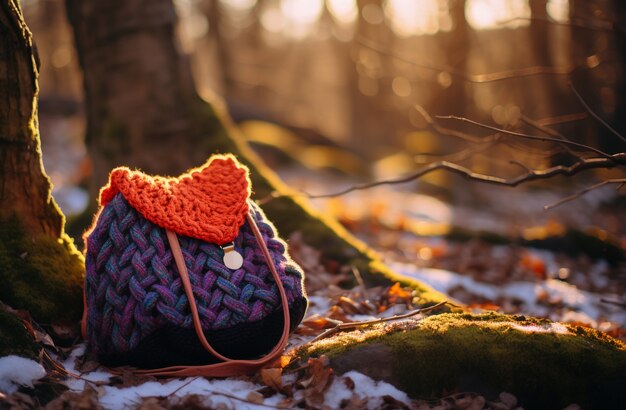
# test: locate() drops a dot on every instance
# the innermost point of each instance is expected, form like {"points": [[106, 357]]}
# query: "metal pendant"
{"points": [[232, 259]]}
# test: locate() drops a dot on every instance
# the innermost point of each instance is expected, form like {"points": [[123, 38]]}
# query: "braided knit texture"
{"points": [[133, 288], [208, 202]]}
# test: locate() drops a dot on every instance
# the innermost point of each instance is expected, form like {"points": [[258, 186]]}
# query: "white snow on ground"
{"points": [[581, 306], [221, 392], [363, 387], [18, 371]]}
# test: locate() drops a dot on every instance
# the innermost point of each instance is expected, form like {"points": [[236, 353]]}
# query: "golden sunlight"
{"points": [[302, 11], [239, 5], [294, 18], [558, 10], [343, 11], [409, 17], [493, 14]]}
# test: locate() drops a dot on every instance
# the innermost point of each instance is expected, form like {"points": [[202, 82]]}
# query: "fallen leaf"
{"points": [[354, 403], [348, 305], [273, 378], [349, 383], [390, 402], [255, 397], [151, 403], [318, 322]]}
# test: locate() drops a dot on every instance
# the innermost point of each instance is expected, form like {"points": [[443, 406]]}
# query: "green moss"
{"points": [[14, 339], [545, 364], [41, 275]]}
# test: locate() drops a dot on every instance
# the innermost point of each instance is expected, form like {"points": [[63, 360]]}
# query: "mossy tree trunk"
{"points": [[24, 186], [143, 111], [40, 270]]}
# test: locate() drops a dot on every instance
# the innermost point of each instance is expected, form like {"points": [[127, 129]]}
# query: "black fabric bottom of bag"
{"points": [[176, 346]]}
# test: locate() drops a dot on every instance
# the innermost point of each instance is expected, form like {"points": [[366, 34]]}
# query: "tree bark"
{"points": [[24, 185], [143, 111], [40, 270]]}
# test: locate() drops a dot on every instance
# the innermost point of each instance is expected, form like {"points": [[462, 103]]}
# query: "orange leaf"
{"points": [[398, 292], [273, 378]]}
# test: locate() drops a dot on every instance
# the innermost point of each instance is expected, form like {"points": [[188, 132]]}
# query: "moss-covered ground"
{"points": [[41, 275], [545, 364], [14, 339]]}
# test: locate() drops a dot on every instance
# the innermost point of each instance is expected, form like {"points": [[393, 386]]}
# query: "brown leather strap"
{"points": [[229, 367]]}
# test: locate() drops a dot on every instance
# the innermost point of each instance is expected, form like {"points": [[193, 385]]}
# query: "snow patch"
{"points": [[216, 393], [364, 387], [16, 371], [557, 328], [226, 393], [585, 306]]}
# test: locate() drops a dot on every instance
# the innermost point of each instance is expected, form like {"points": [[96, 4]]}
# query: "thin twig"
{"points": [[232, 396], [594, 115], [359, 280], [584, 191], [521, 165], [583, 164], [450, 132], [538, 125], [183, 385], [614, 302], [561, 119], [353, 325], [526, 136]]}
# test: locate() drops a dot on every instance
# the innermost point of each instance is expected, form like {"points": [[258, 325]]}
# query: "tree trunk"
{"points": [[40, 270], [143, 111], [24, 186]]}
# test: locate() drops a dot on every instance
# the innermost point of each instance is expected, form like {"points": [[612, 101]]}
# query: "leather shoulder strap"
{"points": [[229, 367]]}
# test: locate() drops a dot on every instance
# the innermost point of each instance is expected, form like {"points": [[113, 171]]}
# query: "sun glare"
{"points": [[410, 17], [239, 5], [343, 11], [302, 11], [492, 14], [558, 10]]}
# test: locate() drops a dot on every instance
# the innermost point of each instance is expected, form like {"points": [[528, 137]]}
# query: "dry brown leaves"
{"points": [[306, 390], [469, 401], [359, 301], [319, 276], [85, 400]]}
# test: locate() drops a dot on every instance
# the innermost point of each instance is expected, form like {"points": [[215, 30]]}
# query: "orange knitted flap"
{"points": [[207, 203]]}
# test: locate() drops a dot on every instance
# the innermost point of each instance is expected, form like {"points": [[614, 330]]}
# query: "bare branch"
{"points": [[594, 115], [342, 327], [561, 119], [542, 127], [581, 165], [578, 194], [450, 132], [528, 136], [553, 133], [521, 165], [614, 302]]}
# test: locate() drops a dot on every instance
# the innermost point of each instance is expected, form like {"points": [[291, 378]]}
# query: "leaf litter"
{"points": [[474, 269]]}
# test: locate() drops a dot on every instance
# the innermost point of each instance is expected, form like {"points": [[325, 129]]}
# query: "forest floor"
{"points": [[476, 249]]}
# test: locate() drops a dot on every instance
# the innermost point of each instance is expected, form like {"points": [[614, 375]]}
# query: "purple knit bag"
{"points": [[137, 312]]}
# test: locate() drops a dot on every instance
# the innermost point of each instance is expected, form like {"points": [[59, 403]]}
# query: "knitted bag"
{"points": [[183, 271]]}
